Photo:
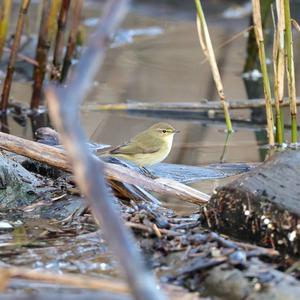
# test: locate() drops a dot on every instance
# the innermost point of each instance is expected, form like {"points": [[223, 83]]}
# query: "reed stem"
{"points": [[207, 47], [59, 41], [76, 15], [46, 34], [52, 18], [290, 69], [262, 58], [5, 11], [278, 64], [13, 55]]}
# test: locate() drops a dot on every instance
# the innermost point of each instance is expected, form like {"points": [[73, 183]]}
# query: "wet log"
{"points": [[262, 206]]}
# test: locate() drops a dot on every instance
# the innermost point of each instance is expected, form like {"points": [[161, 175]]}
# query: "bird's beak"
{"points": [[176, 131]]}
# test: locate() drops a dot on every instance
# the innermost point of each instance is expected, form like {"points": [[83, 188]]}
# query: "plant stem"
{"points": [[52, 18], [290, 69], [278, 62], [5, 10], [41, 57], [59, 41], [207, 47], [76, 14], [13, 55], [262, 58]]}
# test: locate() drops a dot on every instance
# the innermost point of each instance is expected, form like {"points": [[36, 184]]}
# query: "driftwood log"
{"points": [[57, 158], [262, 206]]}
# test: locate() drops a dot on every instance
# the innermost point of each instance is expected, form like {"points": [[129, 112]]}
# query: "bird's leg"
{"points": [[147, 173]]}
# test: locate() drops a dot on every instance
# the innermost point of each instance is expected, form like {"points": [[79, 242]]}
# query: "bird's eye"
{"points": [[164, 131]]}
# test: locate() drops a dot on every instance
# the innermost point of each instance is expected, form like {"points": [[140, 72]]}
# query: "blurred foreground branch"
{"points": [[64, 106]]}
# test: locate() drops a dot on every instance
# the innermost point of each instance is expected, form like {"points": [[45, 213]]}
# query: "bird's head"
{"points": [[163, 130]]}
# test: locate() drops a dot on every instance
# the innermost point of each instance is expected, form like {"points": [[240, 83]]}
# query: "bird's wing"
{"points": [[131, 149]]}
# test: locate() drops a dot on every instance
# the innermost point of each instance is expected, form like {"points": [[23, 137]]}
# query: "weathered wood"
{"points": [[179, 172], [262, 205], [57, 158]]}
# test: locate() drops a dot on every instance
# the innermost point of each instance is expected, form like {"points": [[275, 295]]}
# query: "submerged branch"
{"points": [[179, 106]]}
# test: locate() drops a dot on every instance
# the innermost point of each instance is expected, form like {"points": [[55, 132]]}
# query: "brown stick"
{"points": [[13, 55], [59, 41]]}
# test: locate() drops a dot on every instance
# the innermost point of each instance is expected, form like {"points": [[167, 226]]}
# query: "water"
{"points": [[169, 67], [155, 57]]}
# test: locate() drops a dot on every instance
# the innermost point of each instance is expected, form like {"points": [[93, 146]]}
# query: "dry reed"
{"points": [[262, 58], [207, 48]]}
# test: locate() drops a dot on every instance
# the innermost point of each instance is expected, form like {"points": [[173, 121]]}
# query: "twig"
{"points": [[13, 55], [295, 24], [64, 104], [23, 57], [230, 40]]}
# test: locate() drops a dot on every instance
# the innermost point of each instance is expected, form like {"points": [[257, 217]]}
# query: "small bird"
{"points": [[147, 148]]}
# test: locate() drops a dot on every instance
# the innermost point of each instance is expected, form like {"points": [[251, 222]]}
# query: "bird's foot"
{"points": [[147, 173]]}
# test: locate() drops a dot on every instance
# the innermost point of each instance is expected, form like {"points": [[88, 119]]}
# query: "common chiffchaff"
{"points": [[148, 147]]}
